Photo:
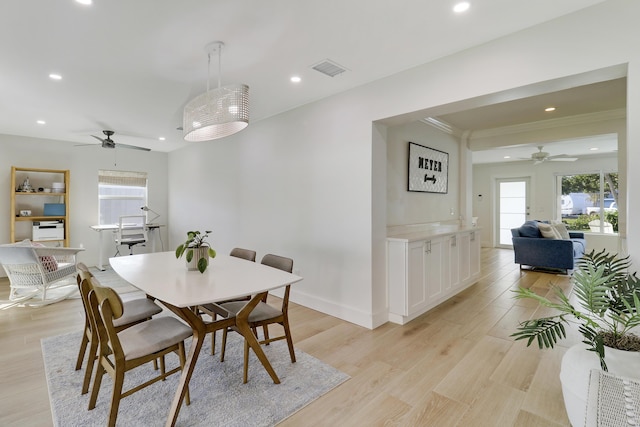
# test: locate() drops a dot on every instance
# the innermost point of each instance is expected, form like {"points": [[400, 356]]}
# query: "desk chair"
{"points": [[131, 231], [264, 314]]}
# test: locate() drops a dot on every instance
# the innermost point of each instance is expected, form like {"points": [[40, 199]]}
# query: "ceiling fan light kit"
{"points": [[110, 143], [217, 112]]}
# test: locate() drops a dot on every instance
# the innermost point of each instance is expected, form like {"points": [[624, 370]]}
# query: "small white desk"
{"points": [[162, 276], [112, 228]]}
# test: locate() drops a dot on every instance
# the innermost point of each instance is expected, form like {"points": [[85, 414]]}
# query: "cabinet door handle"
{"points": [[427, 247], [454, 241], [473, 236]]}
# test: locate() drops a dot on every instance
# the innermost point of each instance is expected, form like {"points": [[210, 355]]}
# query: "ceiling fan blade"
{"points": [[98, 138], [133, 147]]}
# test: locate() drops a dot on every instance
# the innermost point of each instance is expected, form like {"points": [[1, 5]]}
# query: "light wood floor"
{"points": [[455, 365]]}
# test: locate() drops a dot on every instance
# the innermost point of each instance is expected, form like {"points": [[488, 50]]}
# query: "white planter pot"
{"points": [[575, 369], [201, 252]]}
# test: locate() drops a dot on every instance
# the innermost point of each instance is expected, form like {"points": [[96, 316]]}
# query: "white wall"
{"points": [[83, 164], [404, 207], [303, 183]]}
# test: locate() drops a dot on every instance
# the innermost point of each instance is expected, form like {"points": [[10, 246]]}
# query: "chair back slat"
{"points": [[247, 254], [279, 262]]}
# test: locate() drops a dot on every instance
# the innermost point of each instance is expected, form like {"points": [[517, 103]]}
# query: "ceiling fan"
{"points": [[543, 156], [110, 143]]}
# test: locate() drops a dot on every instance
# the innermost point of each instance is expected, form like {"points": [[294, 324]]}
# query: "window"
{"points": [[589, 202], [120, 193]]}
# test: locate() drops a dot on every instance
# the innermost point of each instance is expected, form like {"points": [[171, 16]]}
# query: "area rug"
{"points": [[218, 397]]}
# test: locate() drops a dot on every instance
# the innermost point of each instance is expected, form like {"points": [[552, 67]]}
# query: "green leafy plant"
{"points": [[609, 307], [196, 240]]}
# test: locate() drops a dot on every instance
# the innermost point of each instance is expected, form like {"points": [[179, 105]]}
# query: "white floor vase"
{"points": [[575, 369]]}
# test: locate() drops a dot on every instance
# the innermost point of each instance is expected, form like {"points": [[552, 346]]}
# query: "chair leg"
{"points": [[83, 349], [91, 361], [213, 335], [224, 344], [265, 331], [118, 382], [183, 361], [162, 367], [287, 334], [96, 385], [245, 375]]}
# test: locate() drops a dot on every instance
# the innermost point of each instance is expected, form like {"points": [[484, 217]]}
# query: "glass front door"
{"points": [[513, 207]]}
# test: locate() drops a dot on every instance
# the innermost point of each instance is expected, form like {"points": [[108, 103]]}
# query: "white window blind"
{"points": [[120, 193], [122, 178]]}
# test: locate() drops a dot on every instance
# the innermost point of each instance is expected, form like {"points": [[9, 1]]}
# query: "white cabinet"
{"points": [[423, 273]]}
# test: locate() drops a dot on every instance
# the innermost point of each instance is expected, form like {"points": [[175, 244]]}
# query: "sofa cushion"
{"points": [[530, 229], [548, 231], [562, 230]]}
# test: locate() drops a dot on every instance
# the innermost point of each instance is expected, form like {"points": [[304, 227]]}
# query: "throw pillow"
{"points": [[561, 229], [530, 229], [48, 262], [548, 232]]}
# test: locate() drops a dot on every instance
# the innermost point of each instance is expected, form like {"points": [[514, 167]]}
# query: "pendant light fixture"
{"points": [[217, 112]]}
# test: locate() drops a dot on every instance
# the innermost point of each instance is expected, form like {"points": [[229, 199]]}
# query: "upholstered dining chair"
{"points": [[210, 309], [264, 314], [122, 351], [134, 311]]}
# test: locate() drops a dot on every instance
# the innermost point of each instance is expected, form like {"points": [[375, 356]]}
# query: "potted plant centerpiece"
{"points": [[196, 250], [608, 309]]}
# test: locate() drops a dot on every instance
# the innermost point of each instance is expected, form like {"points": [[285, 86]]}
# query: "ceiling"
{"points": [[584, 100], [131, 66]]}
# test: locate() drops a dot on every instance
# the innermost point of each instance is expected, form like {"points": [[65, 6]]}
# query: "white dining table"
{"points": [[165, 278]]}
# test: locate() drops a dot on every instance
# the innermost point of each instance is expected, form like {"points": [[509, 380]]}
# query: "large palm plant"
{"points": [[609, 307]]}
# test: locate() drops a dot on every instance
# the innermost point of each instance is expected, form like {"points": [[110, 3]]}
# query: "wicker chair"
{"points": [[33, 270]]}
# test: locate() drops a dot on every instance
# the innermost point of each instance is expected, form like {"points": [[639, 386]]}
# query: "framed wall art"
{"points": [[428, 169]]}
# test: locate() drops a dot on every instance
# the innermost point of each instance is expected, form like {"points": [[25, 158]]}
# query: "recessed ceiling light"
{"points": [[41, 122], [549, 109], [593, 149], [507, 157], [296, 79], [162, 138], [85, 2], [54, 76], [461, 7]]}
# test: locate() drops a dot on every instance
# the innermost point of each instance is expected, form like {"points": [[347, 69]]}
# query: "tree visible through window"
{"points": [[120, 193], [590, 201]]}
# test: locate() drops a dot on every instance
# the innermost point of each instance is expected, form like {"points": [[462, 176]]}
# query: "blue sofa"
{"points": [[531, 249]]}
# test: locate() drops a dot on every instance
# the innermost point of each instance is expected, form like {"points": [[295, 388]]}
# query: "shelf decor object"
{"points": [[217, 112], [428, 169]]}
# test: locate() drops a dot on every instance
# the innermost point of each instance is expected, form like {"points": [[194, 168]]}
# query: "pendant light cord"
{"points": [[219, 66]]}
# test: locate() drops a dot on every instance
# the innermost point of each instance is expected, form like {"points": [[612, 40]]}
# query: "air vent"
{"points": [[329, 68]]}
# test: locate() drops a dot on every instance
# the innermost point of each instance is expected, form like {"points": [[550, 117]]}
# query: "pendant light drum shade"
{"points": [[217, 113]]}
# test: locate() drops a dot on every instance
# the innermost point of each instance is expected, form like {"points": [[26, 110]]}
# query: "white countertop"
{"points": [[430, 233]]}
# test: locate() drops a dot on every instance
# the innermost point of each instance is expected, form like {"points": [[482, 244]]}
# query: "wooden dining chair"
{"points": [[210, 309], [134, 311], [264, 314], [122, 351]]}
